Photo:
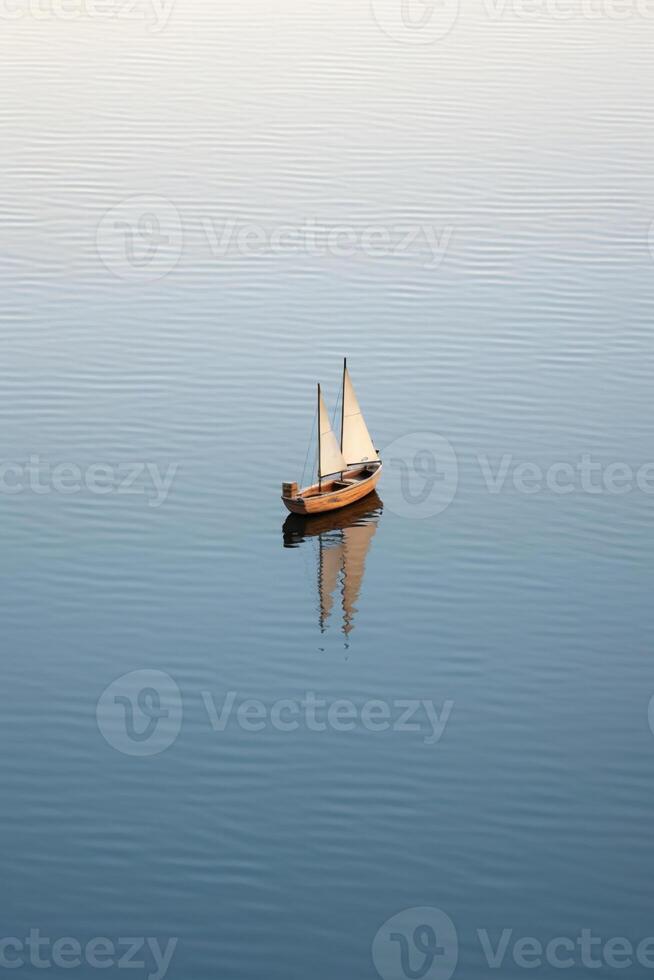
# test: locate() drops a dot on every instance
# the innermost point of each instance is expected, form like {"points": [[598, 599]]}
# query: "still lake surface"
{"points": [[525, 145]]}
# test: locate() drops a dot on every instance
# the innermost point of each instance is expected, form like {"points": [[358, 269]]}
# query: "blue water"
{"points": [[131, 338]]}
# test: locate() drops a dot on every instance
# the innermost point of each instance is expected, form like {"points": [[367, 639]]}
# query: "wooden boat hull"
{"points": [[332, 495], [300, 527]]}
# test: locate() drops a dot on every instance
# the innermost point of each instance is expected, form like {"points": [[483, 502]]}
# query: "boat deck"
{"points": [[330, 494]]}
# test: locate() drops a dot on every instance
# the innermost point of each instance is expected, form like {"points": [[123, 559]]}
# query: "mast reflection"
{"points": [[341, 539]]}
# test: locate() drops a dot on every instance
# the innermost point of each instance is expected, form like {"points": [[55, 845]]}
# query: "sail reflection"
{"points": [[341, 539]]}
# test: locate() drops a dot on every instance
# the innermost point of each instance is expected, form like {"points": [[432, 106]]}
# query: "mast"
{"points": [[319, 474], [343, 400], [343, 405]]}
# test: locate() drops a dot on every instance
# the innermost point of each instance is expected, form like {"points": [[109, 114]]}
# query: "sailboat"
{"points": [[347, 471], [343, 542]]}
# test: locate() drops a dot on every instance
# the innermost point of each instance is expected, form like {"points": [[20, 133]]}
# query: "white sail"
{"points": [[357, 445], [331, 460]]}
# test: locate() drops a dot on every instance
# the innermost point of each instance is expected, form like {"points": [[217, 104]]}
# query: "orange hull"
{"points": [[332, 495]]}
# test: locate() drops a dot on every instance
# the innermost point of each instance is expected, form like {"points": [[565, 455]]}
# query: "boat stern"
{"points": [[292, 499]]}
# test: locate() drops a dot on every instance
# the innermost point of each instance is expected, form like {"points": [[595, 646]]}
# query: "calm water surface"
{"points": [[525, 146]]}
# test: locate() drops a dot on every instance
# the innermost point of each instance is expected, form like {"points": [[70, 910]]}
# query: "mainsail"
{"points": [[330, 458], [356, 444]]}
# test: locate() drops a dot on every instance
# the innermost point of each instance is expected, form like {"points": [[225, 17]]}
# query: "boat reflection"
{"points": [[341, 540]]}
